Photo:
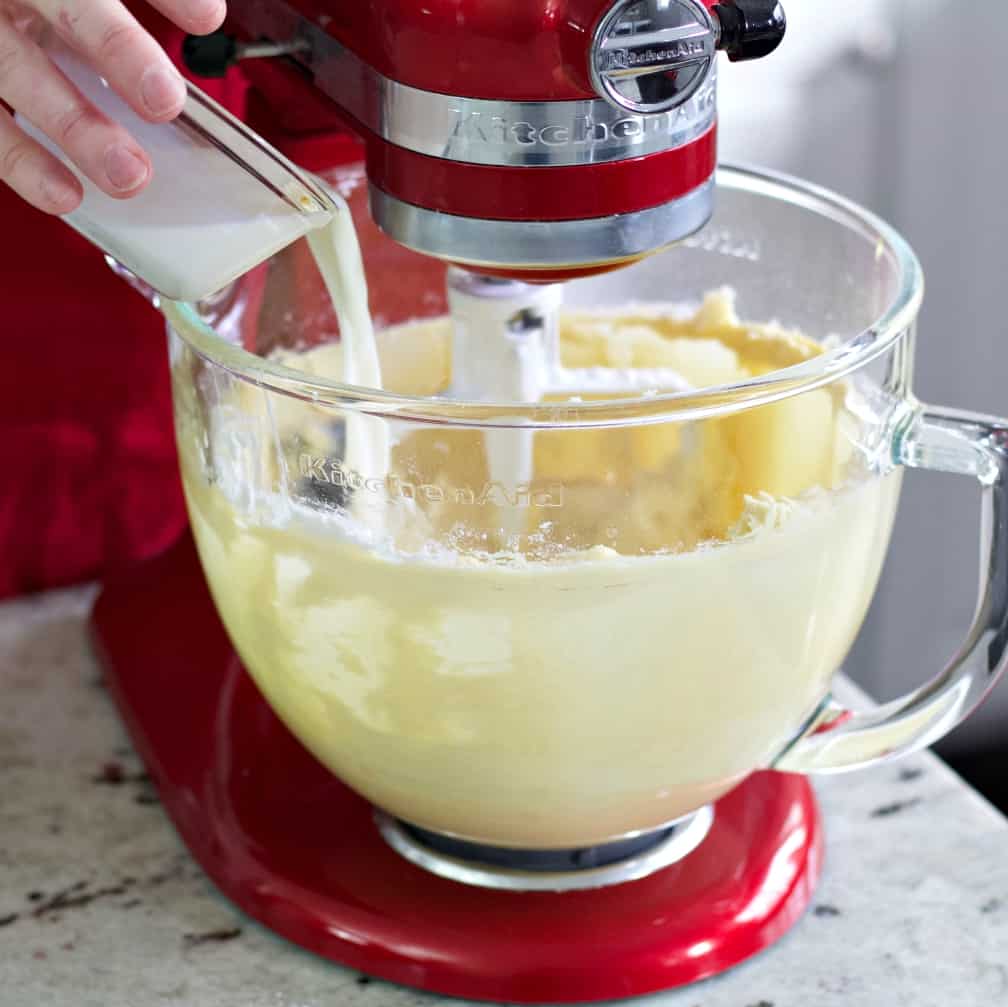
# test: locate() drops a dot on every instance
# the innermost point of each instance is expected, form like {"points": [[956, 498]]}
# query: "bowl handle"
{"points": [[837, 739]]}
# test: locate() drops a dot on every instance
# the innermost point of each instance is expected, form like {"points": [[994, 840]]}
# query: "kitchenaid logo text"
{"points": [[628, 59], [581, 131], [723, 242], [391, 487]]}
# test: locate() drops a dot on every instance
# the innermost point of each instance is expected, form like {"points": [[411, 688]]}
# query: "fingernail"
{"points": [[162, 91], [61, 194], [124, 168]]}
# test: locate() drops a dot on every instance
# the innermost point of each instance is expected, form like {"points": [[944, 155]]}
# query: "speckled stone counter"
{"points": [[100, 906]]}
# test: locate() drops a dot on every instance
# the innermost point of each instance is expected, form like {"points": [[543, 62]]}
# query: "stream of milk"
{"points": [[338, 256]]}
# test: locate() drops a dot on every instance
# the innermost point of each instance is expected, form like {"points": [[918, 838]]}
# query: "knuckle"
{"points": [[11, 57], [69, 124], [12, 158], [118, 38], [67, 21]]}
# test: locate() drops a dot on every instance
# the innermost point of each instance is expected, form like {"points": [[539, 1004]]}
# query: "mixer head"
{"points": [[530, 139]]}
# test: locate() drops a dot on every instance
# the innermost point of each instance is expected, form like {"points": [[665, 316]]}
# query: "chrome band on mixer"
{"points": [[532, 134], [545, 243], [524, 134]]}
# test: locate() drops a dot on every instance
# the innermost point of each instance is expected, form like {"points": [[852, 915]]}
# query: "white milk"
{"points": [[338, 256]]}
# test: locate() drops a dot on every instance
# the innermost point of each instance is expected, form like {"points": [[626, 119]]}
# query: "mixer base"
{"points": [[298, 851]]}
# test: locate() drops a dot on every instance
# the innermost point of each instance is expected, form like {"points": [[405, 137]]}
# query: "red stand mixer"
{"points": [[523, 140]]}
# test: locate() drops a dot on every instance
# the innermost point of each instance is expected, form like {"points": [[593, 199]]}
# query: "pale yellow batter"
{"points": [[669, 613]]}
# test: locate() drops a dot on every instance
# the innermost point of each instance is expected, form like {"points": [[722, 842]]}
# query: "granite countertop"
{"points": [[101, 906]]}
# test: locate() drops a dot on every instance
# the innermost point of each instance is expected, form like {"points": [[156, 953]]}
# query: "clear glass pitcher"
{"points": [[659, 609], [219, 202]]}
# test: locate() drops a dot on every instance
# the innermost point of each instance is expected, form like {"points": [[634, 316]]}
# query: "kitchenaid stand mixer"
{"points": [[525, 144]]}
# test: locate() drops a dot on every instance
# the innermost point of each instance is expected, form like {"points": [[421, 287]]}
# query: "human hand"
{"points": [[109, 38]]}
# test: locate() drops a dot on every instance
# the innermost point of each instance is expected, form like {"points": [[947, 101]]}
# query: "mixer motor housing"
{"points": [[540, 139]]}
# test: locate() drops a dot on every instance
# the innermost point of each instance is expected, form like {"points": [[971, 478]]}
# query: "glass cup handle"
{"points": [[838, 739]]}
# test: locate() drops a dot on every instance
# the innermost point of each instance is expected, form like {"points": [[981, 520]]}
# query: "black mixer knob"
{"points": [[750, 28], [212, 55], [209, 55]]}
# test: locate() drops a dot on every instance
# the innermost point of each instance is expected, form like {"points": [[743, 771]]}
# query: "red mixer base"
{"points": [[296, 850]]}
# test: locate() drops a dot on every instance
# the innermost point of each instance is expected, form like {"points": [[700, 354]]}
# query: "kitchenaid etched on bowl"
{"points": [[655, 610]]}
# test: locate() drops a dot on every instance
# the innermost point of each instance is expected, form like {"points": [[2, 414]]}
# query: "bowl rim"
{"points": [[830, 366]]}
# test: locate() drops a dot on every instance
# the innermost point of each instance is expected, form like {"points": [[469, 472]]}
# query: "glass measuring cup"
{"points": [[220, 201], [693, 566]]}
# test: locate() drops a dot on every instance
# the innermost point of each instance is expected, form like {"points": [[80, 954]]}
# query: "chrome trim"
{"points": [[269, 50], [528, 134], [534, 134], [542, 244], [685, 835]]}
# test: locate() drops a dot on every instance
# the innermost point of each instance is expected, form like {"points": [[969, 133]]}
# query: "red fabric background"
{"points": [[88, 476]]}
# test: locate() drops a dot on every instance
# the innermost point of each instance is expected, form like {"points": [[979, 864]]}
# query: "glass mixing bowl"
{"points": [[658, 611]]}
